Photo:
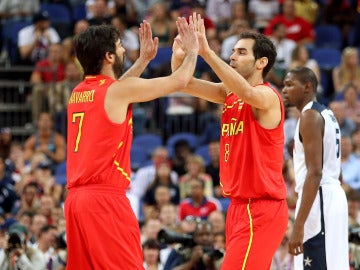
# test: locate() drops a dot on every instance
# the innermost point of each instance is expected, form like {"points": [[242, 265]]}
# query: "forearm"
{"points": [[310, 189], [136, 69], [230, 78], [186, 70], [202, 89]]}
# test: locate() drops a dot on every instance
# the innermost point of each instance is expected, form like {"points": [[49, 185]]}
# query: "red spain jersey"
{"points": [[98, 150], [251, 157]]}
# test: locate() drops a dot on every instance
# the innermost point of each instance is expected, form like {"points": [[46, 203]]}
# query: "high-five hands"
{"points": [[187, 35], [148, 44], [199, 25]]}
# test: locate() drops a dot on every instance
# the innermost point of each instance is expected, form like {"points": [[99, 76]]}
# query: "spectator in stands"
{"points": [[355, 137], [20, 256], [151, 250], [199, 6], [352, 103], [213, 168], [59, 95], [162, 178], [38, 222], [162, 24], [168, 217], [217, 220], [47, 71], [46, 182], [101, 13], [13, 10], [15, 162], [300, 57], [50, 69], [150, 229], [220, 12], [162, 196], [261, 12], [197, 257], [93, 7], [68, 42], [46, 207], [182, 150], [46, 243], [45, 140], [34, 40], [348, 71], [8, 196], [195, 169], [238, 13], [29, 199], [181, 8], [129, 41], [347, 126], [297, 29], [126, 10], [5, 142], [197, 204], [25, 219], [284, 48], [350, 165], [145, 175], [237, 27], [353, 199]]}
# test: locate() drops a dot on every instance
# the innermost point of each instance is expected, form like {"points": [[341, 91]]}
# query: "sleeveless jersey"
{"points": [[331, 149], [251, 157], [98, 150]]}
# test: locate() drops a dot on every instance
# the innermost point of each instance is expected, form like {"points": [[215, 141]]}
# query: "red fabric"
{"points": [[47, 75], [102, 231], [187, 208], [252, 242], [296, 29], [103, 153], [251, 157]]}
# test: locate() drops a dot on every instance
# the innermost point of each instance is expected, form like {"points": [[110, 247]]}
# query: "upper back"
{"points": [[98, 149]]}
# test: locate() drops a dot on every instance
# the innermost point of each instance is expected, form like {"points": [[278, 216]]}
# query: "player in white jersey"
{"points": [[320, 234]]}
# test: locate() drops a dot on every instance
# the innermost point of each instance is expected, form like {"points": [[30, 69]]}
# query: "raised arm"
{"points": [[213, 92], [260, 97], [132, 89], [148, 50]]}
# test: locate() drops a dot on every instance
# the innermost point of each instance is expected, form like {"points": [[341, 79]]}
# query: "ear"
{"points": [[109, 57], [262, 62]]}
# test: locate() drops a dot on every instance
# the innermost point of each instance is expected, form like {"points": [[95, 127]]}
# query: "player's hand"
{"points": [[189, 40], [148, 44], [296, 240], [177, 49], [199, 26], [178, 53]]}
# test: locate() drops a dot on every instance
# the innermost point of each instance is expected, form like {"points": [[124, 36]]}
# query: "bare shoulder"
{"points": [[311, 121]]}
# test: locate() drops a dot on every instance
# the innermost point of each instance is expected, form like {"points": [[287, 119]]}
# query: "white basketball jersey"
{"points": [[331, 164]]}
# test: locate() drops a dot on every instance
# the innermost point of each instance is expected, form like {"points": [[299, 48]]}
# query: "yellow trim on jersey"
{"points": [[251, 236], [223, 191], [117, 164]]}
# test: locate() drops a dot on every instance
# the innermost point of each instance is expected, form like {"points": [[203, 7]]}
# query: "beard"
{"points": [[118, 67]]}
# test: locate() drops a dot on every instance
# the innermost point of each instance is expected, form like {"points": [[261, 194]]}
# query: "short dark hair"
{"points": [[263, 47], [304, 75], [92, 45]]}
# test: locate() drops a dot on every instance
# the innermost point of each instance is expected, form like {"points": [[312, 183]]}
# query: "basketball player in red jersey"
{"points": [[252, 143], [102, 230]]}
